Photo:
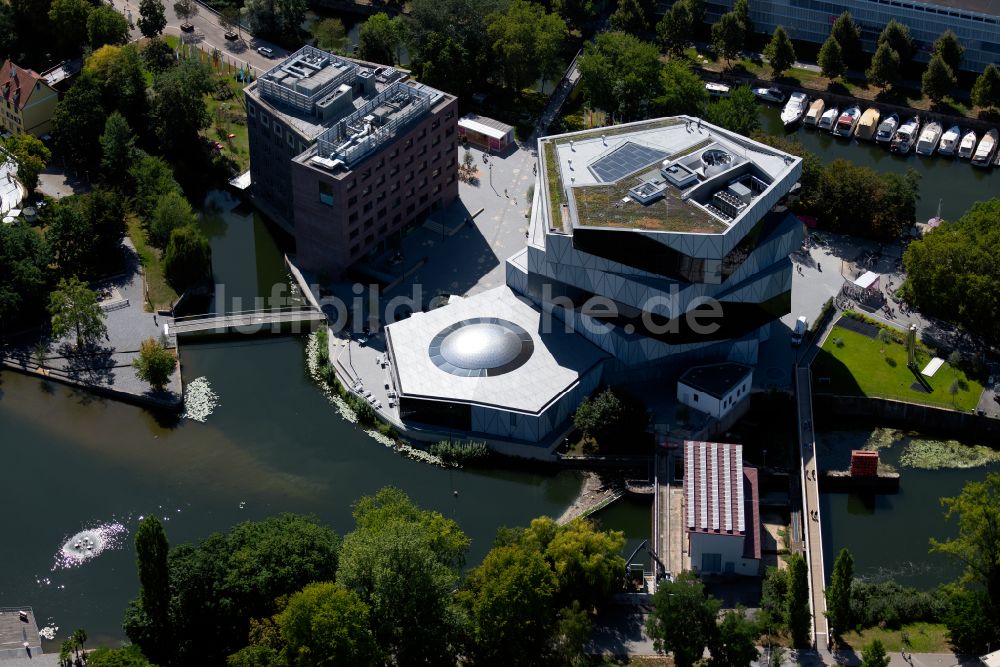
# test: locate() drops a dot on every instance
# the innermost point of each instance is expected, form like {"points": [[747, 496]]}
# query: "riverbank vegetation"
{"points": [[611, 421], [855, 364], [952, 272], [395, 590]]}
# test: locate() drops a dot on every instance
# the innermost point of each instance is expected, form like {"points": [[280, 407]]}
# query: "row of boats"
{"points": [[923, 138]]}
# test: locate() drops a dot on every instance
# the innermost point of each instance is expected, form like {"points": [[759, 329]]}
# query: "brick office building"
{"points": [[344, 155]]}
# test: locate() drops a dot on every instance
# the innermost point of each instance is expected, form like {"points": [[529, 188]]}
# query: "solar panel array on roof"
{"points": [[624, 160]]}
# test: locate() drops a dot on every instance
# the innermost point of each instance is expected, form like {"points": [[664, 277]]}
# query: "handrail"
{"points": [[237, 313]]}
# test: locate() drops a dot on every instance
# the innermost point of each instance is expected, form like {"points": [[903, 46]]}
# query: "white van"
{"points": [[801, 325]]}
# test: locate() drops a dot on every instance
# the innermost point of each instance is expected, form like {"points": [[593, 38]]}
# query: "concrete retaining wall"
{"points": [[910, 415]]}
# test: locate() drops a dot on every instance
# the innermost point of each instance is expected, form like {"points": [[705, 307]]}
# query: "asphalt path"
{"points": [[208, 34]]}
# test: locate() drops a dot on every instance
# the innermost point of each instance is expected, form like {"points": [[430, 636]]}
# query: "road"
{"points": [[208, 34]]}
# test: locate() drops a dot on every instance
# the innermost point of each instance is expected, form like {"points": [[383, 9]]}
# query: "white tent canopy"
{"points": [[867, 280]]}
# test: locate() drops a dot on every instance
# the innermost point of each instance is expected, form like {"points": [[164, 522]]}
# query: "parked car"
{"points": [[266, 52], [187, 27], [231, 36]]}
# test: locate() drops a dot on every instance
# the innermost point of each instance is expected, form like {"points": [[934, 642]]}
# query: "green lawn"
{"points": [[922, 638], [860, 367], [229, 117], [161, 294]]}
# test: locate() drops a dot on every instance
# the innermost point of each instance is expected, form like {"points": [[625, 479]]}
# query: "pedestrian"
{"points": [[155, 323], [505, 193]]}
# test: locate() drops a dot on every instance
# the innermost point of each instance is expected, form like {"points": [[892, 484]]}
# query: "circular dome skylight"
{"points": [[482, 346]]}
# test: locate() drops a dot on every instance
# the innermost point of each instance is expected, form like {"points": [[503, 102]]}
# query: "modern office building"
{"points": [[344, 155], [975, 22], [658, 242], [652, 246], [721, 510], [27, 101]]}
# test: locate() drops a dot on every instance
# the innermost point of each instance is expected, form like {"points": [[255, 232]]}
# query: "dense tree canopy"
{"points": [[797, 606], [674, 30], [683, 91], [69, 24], [848, 35], [950, 49], [738, 112], [187, 260], [952, 271], [380, 37], [85, 233], [117, 151], [526, 41], [327, 623], [152, 18], [106, 26], [620, 74], [897, 35], [632, 16], [24, 260], [729, 35], [280, 20], [31, 156], [79, 120], [683, 619], [178, 108]]}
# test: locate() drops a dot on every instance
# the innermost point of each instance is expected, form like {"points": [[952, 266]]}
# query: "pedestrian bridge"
{"points": [[282, 320]]}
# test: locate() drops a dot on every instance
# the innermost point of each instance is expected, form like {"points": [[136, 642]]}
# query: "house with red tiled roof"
{"points": [[27, 101], [721, 510]]}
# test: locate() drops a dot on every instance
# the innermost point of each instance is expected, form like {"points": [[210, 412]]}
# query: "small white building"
{"points": [[715, 389], [721, 510]]}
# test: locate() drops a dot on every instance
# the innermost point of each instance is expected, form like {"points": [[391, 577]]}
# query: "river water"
{"points": [[74, 461]]}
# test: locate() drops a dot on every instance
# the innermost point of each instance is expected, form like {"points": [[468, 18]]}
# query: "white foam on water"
{"points": [[199, 400], [89, 544]]}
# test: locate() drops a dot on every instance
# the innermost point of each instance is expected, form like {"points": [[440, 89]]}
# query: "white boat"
{"points": [[847, 122], [968, 145], [717, 89], [770, 95], [868, 124], [949, 141], [929, 138], [815, 111], [983, 157], [829, 117], [887, 129], [906, 136], [794, 109]]}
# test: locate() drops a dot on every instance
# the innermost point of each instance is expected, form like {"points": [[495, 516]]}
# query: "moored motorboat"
{"points": [[794, 109], [906, 136], [949, 141], [773, 95], [887, 129], [828, 119], [847, 122], [715, 89], [983, 157], [929, 138], [968, 145], [868, 124], [815, 111]]}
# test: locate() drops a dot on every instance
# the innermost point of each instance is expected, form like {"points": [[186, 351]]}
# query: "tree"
{"points": [[838, 595], [735, 643], [938, 79], [8, 31], [187, 261], [31, 156], [831, 59], [277, 19], [509, 600], [155, 364], [897, 36], [573, 631], [78, 121], [780, 53], [24, 260], [986, 90], [151, 548], [884, 68], [246, 570], [153, 180], [950, 49], [117, 150], [774, 590], [621, 74], [587, 561], [330, 34], [380, 37], [977, 546], [683, 619], [158, 56], [129, 656], [683, 90], [185, 9], [229, 17], [742, 10], [85, 233], [152, 18], [74, 309], [797, 601], [574, 11], [327, 623], [674, 30], [971, 618], [178, 107], [738, 112], [884, 338], [631, 16], [598, 413], [79, 638], [874, 655], [106, 26], [526, 42], [172, 212], [443, 62], [69, 24], [847, 33], [728, 36]]}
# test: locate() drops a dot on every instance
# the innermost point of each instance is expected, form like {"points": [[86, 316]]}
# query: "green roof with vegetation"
{"points": [[611, 206]]}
